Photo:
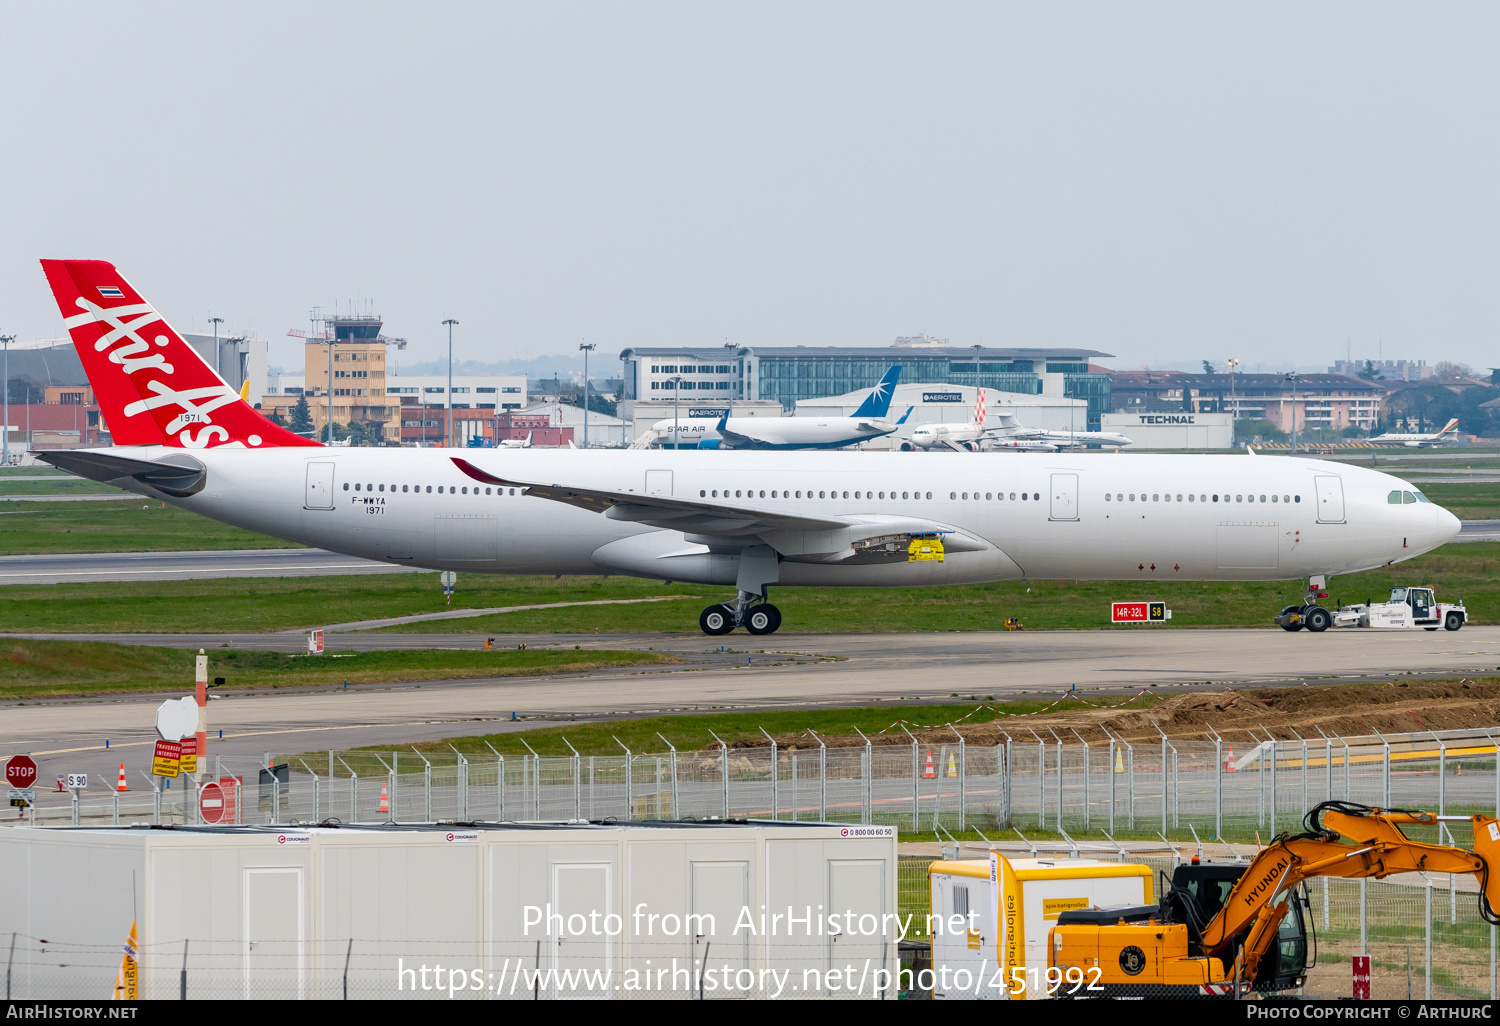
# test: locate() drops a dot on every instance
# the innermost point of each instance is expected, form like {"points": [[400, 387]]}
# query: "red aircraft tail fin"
{"points": [[152, 387]]}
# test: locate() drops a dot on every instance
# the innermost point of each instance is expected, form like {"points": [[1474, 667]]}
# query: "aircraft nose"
{"points": [[1448, 525]]}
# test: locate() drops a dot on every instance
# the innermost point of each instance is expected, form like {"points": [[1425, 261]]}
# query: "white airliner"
{"points": [[1449, 433], [1007, 434], [728, 432], [747, 520]]}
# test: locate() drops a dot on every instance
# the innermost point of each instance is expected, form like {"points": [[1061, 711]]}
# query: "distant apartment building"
{"points": [[1334, 401], [470, 391], [1385, 370]]}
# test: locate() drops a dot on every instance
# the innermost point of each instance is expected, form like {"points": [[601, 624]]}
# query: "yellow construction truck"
{"points": [[1219, 930]]}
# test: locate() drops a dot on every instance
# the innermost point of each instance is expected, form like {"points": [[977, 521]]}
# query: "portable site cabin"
{"points": [[670, 910], [992, 917]]}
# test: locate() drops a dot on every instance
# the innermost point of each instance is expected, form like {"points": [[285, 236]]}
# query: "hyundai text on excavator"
{"points": [[1224, 929]]}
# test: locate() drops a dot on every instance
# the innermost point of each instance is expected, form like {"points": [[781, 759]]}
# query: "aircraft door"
{"points": [[319, 486], [658, 482], [1064, 497], [1330, 499]]}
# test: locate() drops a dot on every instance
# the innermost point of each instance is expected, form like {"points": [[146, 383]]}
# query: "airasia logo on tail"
{"points": [[152, 387]]}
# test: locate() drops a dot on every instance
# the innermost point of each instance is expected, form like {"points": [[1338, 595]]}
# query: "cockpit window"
{"points": [[1421, 497], [1409, 496], [1394, 498]]}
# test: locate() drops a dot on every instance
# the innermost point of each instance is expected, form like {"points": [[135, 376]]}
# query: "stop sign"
{"points": [[20, 771], [211, 802]]}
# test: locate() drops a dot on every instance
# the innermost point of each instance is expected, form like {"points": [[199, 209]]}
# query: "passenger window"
{"points": [[356, 488], [1036, 496], [1286, 498], [1273, 498], [1156, 498], [1216, 497], [382, 488], [952, 495], [429, 489], [846, 495], [1179, 498], [904, 495], [929, 495], [1296, 498], [1239, 498], [987, 495], [1394, 498], [346, 486], [1262, 498], [702, 493], [762, 493], [1190, 496], [1023, 496]]}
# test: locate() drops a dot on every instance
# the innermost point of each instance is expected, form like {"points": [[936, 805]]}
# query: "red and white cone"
{"points": [[122, 786], [1229, 761], [385, 798], [929, 773]]}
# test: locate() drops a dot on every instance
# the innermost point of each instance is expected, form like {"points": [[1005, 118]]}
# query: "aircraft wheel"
{"points": [[715, 620], [1318, 619], [1452, 622], [763, 619]]}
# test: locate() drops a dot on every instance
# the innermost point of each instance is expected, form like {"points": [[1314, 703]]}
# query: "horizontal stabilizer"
{"points": [[176, 475]]}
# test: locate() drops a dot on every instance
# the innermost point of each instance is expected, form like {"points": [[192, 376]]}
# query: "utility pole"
{"points": [[218, 364], [450, 322], [676, 381], [587, 349], [6, 340], [1292, 377], [329, 343], [1233, 406]]}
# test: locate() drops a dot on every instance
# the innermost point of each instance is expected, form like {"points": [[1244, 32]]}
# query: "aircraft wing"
{"points": [[791, 533], [695, 516]]}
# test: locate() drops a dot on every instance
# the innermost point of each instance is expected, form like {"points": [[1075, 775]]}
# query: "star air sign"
{"points": [[1139, 612], [177, 751]]}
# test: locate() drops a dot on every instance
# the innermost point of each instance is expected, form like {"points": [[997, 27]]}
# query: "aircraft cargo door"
{"points": [[1330, 499], [319, 486], [1064, 497]]}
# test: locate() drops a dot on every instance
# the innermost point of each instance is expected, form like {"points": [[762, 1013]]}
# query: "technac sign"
{"points": [[1168, 418]]}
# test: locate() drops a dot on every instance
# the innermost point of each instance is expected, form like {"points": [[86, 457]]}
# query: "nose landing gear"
{"points": [[759, 619]]}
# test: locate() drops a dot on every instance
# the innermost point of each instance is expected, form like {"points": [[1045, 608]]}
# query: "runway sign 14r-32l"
{"points": [[1139, 612]]}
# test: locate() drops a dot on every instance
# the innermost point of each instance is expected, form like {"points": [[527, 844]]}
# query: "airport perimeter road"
{"points": [[69, 735], [184, 566]]}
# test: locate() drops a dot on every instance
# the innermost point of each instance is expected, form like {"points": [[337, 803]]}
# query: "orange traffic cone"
{"points": [[1229, 766], [385, 798], [928, 773], [122, 786]]}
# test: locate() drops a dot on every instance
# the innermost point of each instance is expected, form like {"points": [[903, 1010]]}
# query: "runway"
{"points": [[1479, 530], [185, 566], [866, 669]]}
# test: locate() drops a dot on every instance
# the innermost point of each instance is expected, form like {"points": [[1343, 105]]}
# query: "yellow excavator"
{"points": [[1224, 929]]}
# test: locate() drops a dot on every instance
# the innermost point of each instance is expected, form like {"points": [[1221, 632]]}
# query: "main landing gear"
{"points": [[761, 618]]}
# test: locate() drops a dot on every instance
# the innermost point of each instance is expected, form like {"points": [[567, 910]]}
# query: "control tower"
{"points": [[356, 360]]}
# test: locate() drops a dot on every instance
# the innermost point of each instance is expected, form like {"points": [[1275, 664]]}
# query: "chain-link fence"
{"points": [[1211, 788]]}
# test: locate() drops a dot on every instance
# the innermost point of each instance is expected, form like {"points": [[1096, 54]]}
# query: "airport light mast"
{"points": [[1292, 377], [676, 381], [587, 349], [218, 364], [450, 322], [5, 341]]}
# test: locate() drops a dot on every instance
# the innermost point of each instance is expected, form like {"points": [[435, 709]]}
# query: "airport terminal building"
{"points": [[787, 374]]}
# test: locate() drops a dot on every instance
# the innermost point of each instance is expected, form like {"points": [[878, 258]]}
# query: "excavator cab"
{"points": [[1198, 893]]}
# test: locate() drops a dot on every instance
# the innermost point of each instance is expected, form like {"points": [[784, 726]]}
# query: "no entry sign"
{"points": [[211, 802], [20, 772]]}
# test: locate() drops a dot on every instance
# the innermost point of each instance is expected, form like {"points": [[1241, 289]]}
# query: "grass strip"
{"points": [[53, 669]]}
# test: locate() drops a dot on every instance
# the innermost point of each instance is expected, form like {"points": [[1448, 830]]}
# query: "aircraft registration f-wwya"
{"points": [[747, 519]]}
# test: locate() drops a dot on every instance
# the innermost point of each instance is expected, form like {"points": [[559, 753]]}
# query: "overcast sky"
{"points": [[1164, 182]]}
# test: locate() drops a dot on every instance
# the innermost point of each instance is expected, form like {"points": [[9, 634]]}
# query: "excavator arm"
{"points": [[1346, 841]]}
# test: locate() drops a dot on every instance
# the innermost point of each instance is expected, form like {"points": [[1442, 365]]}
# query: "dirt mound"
{"points": [[1336, 709]]}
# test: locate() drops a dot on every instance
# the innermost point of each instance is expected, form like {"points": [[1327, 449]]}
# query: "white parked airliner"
{"points": [[750, 520]]}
